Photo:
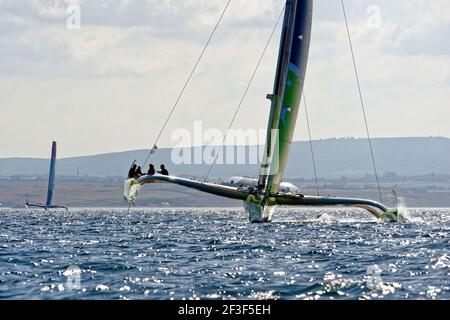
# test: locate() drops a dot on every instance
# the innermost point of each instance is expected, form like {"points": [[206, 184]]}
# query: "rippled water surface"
{"points": [[216, 254]]}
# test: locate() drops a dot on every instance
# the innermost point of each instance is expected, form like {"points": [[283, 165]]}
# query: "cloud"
{"points": [[110, 85]]}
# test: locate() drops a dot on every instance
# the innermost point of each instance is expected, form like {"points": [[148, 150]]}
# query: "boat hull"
{"points": [[257, 213], [258, 210], [44, 207]]}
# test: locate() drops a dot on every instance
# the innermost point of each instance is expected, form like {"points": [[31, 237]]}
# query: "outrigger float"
{"points": [[261, 201]]}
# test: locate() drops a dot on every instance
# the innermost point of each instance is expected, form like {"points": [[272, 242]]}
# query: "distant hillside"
{"points": [[335, 158]]}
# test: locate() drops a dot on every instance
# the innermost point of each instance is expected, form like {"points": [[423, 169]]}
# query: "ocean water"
{"points": [[216, 254]]}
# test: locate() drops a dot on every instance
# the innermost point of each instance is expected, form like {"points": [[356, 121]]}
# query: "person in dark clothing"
{"points": [[163, 171], [132, 171], [151, 169], [138, 172]]}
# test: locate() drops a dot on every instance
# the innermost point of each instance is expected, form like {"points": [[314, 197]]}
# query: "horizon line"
{"points": [[235, 145]]}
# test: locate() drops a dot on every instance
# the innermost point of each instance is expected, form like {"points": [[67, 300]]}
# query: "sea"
{"points": [[215, 253]]}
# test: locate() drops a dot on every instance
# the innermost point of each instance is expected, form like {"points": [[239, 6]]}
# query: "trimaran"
{"points": [[261, 201], [51, 185]]}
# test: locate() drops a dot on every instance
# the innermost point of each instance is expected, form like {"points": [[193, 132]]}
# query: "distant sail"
{"points": [[51, 177]]}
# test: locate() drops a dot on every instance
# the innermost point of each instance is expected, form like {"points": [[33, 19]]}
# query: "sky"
{"points": [[102, 76]]}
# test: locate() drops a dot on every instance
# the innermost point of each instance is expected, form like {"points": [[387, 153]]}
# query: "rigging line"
{"points": [[362, 102], [187, 82], [311, 144], [246, 91], [258, 162]]}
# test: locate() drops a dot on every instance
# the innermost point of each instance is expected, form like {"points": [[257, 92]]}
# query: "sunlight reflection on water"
{"points": [[215, 253]]}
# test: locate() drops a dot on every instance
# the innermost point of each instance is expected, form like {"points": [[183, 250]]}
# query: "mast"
{"points": [[287, 93], [51, 177]]}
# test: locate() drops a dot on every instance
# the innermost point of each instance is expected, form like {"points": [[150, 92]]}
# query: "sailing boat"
{"points": [[260, 201], [51, 185]]}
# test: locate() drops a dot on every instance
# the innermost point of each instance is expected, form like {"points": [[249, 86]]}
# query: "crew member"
{"points": [[163, 171], [138, 172], [151, 169], [132, 171]]}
